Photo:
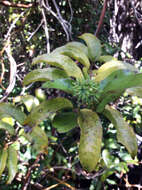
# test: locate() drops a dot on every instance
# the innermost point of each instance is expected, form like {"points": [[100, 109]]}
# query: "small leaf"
{"points": [[3, 159], [125, 133], [45, 109], [107, 158], [90, 140], [94, 46], [61, 61], [7, 127], [44, 75], [61, 84], [7, 109], [65, 121], [38, 138], [12, 163]]}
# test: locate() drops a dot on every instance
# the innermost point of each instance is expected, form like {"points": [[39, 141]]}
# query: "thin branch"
{"points": [[17, 5], [46, 30], [101, 19]]}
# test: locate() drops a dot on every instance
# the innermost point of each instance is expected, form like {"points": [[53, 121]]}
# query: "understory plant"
{"points": [[89, 94]]}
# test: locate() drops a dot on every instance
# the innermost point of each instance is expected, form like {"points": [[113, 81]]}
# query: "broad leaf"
{"points": [[61, 84], [108, 68], [61, 61], [94, 46], [38, 138], [7, 127], [106, 58], [44, 75], [90, 140], [46, 109], [65, 121], [125, 133], [7, 109]]}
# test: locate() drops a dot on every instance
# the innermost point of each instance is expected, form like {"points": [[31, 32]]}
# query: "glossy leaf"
{"points": [[90, 140], [3, 159], [12, 163], [7, 127], [44, 75], [106, 58], [7, 109], [61, 84], [108, 68], [125, 133], [38, 139], [61, 61], [65, 121], [94, 46], [46, 109]]}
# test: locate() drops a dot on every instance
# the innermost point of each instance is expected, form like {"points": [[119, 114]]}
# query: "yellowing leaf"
{"points": [[44, 75], [125, 133], [46, 109], [61, 61], [7, 109], [90, 140], [12, 163], [94, 46]]}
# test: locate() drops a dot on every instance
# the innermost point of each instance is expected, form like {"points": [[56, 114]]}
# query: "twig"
{"points": [[46, 30], [33, 33], [17, 5], [27, 178], [52, 186]]}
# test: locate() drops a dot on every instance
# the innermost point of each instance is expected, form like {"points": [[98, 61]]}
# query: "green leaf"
{"points": [[12, 163], [90, 140], [108, 68], [125, 133], [61, 61], [107, 158], [94, 46], [7, 109], [76, 54], [3, 159], [46, 109], [135, 91], [7, 127], [106, 58], [65, 121], [38, 138], [61, 84], [44, 75], [79, 46]]}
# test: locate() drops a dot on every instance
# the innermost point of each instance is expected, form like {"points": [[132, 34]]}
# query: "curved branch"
{"points": [[17, 5]]}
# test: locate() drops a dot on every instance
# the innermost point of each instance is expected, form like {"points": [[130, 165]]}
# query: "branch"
{"points": [[18, 5], [101, 18]]}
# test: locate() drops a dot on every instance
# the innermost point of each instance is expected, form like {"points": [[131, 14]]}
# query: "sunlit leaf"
{"points": [[135, 91], [106, 58], [61, 84], [65, 121], [44, 75], [125, 133], [46, 109], [7, 109], [90, 140], [61, 61], [94, 45]]}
